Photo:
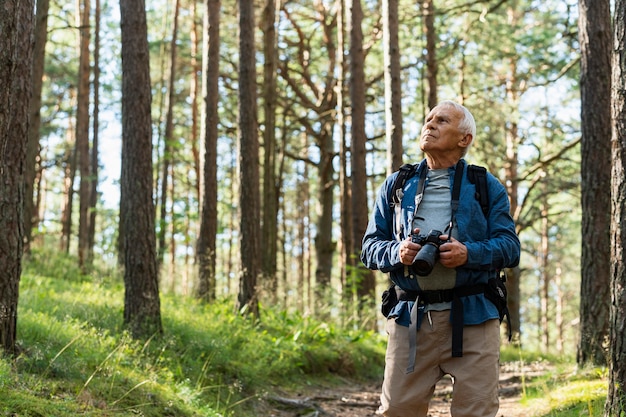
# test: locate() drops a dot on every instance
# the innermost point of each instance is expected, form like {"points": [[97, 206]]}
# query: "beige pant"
{"points": [[475, 375]]}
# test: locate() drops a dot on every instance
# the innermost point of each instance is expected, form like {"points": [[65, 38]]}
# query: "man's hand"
{"points": [[452, 253], [408, 249]]}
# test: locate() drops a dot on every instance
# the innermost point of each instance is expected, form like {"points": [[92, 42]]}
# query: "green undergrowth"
{"points": [[77, 359], [553, 385], [568, 393]]}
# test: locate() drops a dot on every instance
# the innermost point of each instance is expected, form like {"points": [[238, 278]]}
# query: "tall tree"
{"points": [[142, 305], [208, 222], [616, 398], [270, 190], [249, 195], [344, 178], [32, 149], [194, 93], [432, 66], [95, 159], [16, 52], [168, 142], [69, 176], [365, 279], [82, 131], [594, 35], [318, 96], [546, 278], [393, 85]]}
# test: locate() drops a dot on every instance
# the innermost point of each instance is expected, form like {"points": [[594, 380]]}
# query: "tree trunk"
{"points": [[249, 196], [347, 245], [324, 243], [558, 310], [82, 133], [393, 86], [270, 191], [364, 278], [142, 306], [69, 170], [303, 237], [616, 398], [194, 92], [32, 149], [595, 89], [93, 197], [544, 267], [168, 148], [16, 30], [511, 167], [428, 10], [208, 224]]}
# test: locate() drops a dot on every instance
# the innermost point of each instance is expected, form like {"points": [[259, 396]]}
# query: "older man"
{"points": [[441, 249]]}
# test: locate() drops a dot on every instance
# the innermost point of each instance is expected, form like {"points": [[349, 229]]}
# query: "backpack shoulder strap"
{"points": [[477, 175], [405, 172]]}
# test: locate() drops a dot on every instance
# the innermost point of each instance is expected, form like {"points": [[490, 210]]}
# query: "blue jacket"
{"points": [[491, 241]]}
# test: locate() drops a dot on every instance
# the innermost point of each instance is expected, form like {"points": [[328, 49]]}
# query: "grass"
{"points": [[77, 359], [553, 386], [568, 394]]}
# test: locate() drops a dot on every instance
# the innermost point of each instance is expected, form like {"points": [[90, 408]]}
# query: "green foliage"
{"points": [[552, 385], [77, 359], [568, 394]]}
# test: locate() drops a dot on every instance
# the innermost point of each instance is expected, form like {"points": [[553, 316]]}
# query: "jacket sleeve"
{"points": [[502, 248], [379, 249]]}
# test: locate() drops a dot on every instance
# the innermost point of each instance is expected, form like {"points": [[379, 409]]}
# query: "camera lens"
{"points": [[425, 259]]}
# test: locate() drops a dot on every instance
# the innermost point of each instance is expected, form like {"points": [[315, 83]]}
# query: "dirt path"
{"points": [[363, 401]]}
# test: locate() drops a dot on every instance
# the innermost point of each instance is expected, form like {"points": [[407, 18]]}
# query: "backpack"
{"points": [[476, 174], [495, 290]]}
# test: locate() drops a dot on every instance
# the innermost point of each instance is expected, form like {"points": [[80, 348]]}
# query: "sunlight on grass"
{"points": [[77, 359], [559, 396]]}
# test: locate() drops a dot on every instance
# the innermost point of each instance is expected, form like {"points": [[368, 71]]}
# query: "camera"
{"points": [[425, 259]]}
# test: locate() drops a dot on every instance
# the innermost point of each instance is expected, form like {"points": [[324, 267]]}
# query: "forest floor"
{"points": [[357, 400]]}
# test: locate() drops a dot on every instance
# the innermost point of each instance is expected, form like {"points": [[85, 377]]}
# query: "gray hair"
{"points": [[467, 123]]}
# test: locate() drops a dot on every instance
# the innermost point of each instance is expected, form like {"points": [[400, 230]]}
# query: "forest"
{"points": [[226, 155]]}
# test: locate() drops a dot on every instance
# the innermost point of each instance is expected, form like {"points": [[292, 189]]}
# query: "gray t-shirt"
{"points": [[434, 213]]}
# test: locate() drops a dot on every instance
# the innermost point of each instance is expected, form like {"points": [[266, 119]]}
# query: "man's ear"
{"points": [[466, 140]]}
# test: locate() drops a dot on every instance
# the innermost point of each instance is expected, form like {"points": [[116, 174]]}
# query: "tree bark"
{"points": [[168, 148], [365, 281], [208, 225], [69, 170], [249, 196], [594, 32], [32, 149], [347, 246], [82, 133], [616, 398], [428, 8], [16, 52], [142, 306], [270, 190], [194, 93], [93, 197], [544, 267], [393, 86]]}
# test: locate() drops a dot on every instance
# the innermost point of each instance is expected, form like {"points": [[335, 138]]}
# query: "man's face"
{"points": [[440, 133]]}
